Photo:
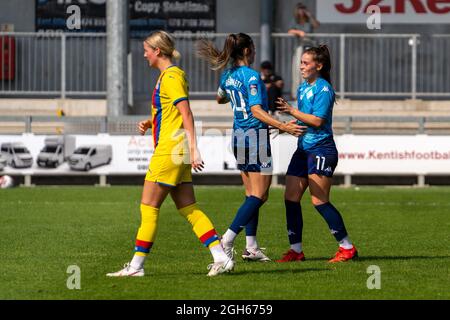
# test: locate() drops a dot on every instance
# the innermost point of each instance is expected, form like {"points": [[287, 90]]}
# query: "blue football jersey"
{"points": [[244, 89], [317, 99]]}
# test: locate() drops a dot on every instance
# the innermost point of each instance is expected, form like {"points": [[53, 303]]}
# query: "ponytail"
{"points": [[233, 50], [176, 54]]}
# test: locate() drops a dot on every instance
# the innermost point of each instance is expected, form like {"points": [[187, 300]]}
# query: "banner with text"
{"points": [[392, 11], [144, 16], [105, 154]]}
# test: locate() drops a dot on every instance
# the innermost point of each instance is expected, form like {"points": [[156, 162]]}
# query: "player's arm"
{"points": [[143, 126], [189, 127], [309, 119], [222, 97], [289, 127]]}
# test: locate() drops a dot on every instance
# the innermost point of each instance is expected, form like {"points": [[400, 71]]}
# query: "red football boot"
{"points": [[344, 255], [292, 256]]}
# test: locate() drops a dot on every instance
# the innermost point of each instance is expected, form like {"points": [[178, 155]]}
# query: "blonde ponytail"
{"points": [[176, 54]]}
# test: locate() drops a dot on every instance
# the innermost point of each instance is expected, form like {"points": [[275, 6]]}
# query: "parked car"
{"points": [[17, 155], [56, 151], [88, 157]]}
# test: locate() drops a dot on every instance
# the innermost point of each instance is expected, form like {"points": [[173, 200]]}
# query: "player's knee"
{"points": [[317, 201], [291, 195], [265, 196]]}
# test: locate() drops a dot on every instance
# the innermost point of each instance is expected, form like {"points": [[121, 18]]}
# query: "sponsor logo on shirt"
{"points": [[253, 78], [266, 165]]}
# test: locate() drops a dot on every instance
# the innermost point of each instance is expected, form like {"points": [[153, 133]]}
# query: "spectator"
{"points": [[303, 24], [274, 84]]}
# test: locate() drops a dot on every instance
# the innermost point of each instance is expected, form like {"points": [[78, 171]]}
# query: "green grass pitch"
{"points": [[403, 231]]}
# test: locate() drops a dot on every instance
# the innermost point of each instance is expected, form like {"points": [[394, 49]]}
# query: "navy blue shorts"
{"points": [[322, 162], [254, 155]]}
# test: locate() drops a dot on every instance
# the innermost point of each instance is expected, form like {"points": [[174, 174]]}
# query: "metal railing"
{"points": [[127, 125], [364, 65], [202, 80], [54, 64]]}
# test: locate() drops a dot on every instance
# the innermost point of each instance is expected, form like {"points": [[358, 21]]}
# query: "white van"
{"points": [[56, 151], [17, 155], [88, 157]]}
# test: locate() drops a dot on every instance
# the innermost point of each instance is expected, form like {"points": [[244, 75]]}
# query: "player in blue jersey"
{"points": [[243, 87], [316, 157]]}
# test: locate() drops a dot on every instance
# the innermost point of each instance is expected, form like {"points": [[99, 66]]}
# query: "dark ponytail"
{"points": [[233, 49], [321, 54]]}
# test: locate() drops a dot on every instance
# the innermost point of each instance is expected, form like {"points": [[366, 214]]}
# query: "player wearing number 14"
{"points": [[243, 87]]}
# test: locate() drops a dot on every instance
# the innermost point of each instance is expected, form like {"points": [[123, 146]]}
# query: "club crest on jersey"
{"points": [[253, 89]]}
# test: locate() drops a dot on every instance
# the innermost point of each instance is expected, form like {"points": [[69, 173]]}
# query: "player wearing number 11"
{"points": [[316, 157]]}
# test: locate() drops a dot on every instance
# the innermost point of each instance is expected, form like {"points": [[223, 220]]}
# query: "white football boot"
{"points": [[229, 249], [220, 267], [127, 271], [251, 254]]}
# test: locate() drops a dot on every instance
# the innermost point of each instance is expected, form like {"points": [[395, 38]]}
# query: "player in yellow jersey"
{"points": [[176, 154]]}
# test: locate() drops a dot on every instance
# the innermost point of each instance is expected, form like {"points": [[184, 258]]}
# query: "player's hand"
{"points": [[143, 126], [293, 128], [196, 160], [283, 106]]}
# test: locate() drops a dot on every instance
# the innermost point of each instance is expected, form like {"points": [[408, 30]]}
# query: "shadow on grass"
{"points": [[367, 258], [277, 271]]}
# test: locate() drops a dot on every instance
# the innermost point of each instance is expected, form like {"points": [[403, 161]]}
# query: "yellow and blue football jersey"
{"points": [[167, 123]]}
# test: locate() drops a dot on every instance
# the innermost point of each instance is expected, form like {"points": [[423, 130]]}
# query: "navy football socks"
{"points": [[245, 213], [333, 219], [294, 221], [252, 226]]}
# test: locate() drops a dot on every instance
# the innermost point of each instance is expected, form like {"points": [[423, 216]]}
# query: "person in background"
{"points": [[301, 26], [274, 84]]}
